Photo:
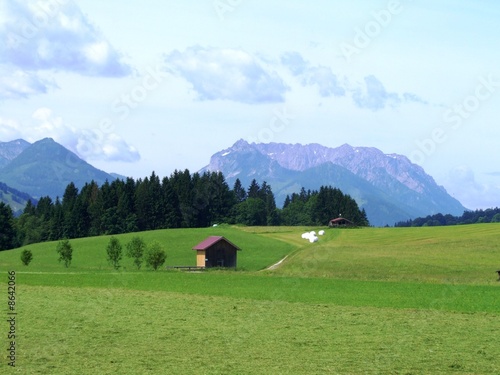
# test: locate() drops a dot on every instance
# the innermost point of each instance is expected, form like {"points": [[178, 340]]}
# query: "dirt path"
{"points": [[276, 265]]}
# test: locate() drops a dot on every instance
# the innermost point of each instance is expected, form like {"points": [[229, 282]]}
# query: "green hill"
{"points": [[466, 254], [89, 254]]}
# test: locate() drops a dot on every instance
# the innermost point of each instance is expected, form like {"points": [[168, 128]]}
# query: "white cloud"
{"points": [[327, 82], [9, 129], [55, 35], [97, 52], [227, 74], [462, 184], [16, 84], [374, 96], [295, 62], [88, 144], [371, 94], [322, 77], [111, 147]]}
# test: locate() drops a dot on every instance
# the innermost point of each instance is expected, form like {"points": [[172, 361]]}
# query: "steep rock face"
{"points": [[388, 186], [366, 162]]}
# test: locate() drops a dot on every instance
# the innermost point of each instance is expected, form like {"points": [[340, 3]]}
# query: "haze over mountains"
{"points": [[388, 186]]}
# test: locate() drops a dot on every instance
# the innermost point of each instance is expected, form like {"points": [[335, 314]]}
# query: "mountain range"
{"points": [[388, 186], [44, 168]]}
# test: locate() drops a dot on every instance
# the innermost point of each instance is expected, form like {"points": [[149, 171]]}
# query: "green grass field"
{"points": [[364, 301]]}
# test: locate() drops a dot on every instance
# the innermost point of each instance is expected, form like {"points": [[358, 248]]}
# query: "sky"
{"points": [[134, 87]]}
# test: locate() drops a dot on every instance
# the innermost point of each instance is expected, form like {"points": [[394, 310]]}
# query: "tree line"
{"points": [[490, 215], [153, 254], [182, 200]]}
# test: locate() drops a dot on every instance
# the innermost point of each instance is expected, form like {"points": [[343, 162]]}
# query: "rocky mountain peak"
{"points": [[400, 188]]}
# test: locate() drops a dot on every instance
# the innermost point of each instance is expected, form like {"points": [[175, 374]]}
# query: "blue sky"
{"points": [[161, 85]]}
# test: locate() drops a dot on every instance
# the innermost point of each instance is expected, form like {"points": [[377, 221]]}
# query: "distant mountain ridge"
{"points": [[388, 186], [10, 150], [45, 168], [14, 198]]}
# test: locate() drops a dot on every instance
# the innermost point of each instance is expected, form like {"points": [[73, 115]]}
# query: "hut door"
{"points": [[220, 258]]}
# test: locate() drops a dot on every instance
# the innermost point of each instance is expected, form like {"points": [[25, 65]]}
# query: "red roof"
{"points": [[212, 240], [339, 219]]}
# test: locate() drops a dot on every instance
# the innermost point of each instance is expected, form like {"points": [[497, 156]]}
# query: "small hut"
{"points": [[216, 251], [340, 222]]}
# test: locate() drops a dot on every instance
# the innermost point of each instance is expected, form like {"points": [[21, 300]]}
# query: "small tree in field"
{"points": [[26, 257], [114, 250], [135, 249], [155, 255], [65, 252]]}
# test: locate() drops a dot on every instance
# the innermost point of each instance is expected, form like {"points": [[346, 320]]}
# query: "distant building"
{"points": [[216, 251], [340, 222]]}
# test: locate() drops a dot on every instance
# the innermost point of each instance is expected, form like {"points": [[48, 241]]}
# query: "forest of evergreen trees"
{"points": [[490, 215], [183, 200]]}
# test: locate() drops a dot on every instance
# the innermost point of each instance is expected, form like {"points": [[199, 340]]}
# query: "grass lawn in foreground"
{"points": [[374, 300], [106, 331]]}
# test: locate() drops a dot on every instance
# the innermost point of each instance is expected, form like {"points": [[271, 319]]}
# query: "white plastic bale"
{"points": [[313, 239], [321, 232]]}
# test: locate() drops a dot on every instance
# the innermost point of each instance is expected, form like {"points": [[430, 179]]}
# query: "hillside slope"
{"points": [[426, 254], [14, 198]]}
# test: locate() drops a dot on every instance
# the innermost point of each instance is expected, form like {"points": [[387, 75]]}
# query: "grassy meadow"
{"points": [[360, 301]]}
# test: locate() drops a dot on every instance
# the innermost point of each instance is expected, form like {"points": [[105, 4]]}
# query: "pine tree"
{"points": [[172, 218], [56, 221], [221, 199], [239, 192], [254, 190], [68, 203], [183, 186], [126, 205], [7, 230], [287, 201]]}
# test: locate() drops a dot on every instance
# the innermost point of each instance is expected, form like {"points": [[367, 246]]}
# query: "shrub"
{"points": [[135, 249], [26, 257], [65, 252], [155, 255], [114, 250]]}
